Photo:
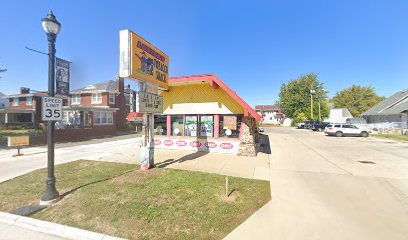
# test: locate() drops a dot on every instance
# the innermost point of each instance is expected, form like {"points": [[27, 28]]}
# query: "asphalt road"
{"points": [[332, 188], [125, 148]]}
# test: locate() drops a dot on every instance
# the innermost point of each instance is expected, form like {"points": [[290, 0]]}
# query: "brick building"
{"points": [[23, 110]]}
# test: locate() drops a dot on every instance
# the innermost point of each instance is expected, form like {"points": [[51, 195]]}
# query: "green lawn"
{"points": [[120, 200], [21, 132], [403, 138]]}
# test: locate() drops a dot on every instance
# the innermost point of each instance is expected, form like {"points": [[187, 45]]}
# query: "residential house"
{"points": [[3, 101], [271, 114], [99, 106], [23, 110], [338, 115], [391, 110]]}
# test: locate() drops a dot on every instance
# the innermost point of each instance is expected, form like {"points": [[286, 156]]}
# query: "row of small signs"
{"points": [[221, 146]]}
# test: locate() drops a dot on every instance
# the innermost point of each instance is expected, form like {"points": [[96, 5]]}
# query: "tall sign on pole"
{"points": [[142, 62]]}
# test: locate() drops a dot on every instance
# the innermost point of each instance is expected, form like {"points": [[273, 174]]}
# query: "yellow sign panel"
{"points": [[142, 61], [18, 141]]}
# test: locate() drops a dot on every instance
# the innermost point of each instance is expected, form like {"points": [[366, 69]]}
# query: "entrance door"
{"points": [[85, 119]]}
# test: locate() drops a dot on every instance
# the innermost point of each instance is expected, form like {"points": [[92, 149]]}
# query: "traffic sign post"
{"points": [[51, 109]]}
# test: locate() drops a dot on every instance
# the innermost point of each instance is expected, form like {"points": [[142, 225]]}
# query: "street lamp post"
{"points": [[312, 91], [51, 27]]}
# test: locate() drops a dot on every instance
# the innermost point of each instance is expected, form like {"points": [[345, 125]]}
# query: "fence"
{"points": [[385, 127]]}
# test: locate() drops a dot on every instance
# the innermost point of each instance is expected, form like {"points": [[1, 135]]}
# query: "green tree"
{"points": [[294, 98], [356, 99]]}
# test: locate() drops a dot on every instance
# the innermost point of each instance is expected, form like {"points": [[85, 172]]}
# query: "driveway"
{"points": [[332, 188]]}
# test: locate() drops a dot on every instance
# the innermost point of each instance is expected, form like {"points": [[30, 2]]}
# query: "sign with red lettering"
{"points": [[226, 145], [168, 142], [181, 143], [157, 142], [195, 144], [210, 144]]}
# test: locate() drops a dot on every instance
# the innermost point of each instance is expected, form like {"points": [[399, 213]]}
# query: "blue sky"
{"points": [[253, 46]]}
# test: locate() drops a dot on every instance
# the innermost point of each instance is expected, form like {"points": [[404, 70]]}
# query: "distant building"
{"points": [[392, 109], [338, 115], [270, 114], [23, 110], [97, 106], [3, 101]]}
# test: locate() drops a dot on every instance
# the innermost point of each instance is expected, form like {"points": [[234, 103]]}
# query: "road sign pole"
{"points": [[51, 194], [151, 140]]}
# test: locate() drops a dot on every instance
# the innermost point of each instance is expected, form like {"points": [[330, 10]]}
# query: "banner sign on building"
{"points": [[63, 76], [51, 109], [148, 103], [142, 61], [230, 122]]}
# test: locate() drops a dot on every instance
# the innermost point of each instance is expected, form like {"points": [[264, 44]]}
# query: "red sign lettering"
{"points": [[226, 145], [210, 144], [168, 142], [181, 143], [195, 144], [157, 142]]}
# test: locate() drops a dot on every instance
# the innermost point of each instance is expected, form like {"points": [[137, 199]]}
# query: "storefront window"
{"points": [[191, 126], [230, 126], [160, 125], [206, 126], [177, 125]]}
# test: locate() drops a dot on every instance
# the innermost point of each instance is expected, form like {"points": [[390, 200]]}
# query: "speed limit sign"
{"points": [[51, 109]]}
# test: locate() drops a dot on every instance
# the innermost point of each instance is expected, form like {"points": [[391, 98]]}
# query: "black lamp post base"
{"points": [[51, 194]]}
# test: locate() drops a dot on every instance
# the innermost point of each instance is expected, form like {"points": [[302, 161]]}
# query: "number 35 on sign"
{"points": [[51, 109]]}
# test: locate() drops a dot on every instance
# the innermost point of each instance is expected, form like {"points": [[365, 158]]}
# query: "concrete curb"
{"points": [[53, 228]]}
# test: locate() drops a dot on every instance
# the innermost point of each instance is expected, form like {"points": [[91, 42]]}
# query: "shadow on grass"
{"points": [[94, 182], [185, 158], [36, 208]]}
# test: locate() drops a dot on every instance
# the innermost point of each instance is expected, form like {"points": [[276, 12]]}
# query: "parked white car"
{"points": [[343, 129]]}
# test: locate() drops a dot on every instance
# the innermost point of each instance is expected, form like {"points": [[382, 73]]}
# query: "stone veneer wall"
{"points": [[249, 137]]}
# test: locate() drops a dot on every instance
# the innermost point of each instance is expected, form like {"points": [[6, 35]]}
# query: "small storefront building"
{"points": [[202, 113]]}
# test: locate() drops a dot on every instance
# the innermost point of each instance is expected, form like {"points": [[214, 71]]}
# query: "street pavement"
{"points": [[320, 190], [125, 148]]}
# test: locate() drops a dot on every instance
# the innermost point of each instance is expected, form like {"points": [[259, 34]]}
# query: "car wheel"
{"points": [[364, 134], [339, 134]]}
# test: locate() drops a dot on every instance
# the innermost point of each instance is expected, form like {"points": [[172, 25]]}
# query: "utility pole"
{"points": [[312, 91], [320, 115]]}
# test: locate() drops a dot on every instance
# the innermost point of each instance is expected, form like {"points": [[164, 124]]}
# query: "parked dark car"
{"points": [[319, 126], [308, 124]]}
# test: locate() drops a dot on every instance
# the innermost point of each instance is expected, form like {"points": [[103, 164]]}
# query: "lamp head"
{"points": [[50, 24]]}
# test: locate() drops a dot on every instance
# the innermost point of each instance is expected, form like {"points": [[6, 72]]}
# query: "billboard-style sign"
{"points": [[142, 61], [63, 75]]}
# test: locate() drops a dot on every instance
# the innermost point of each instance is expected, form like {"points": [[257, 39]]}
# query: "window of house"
{"points": [[160, 125], [103, 118], [177, 125], [228, 123], [96, 98], [16, 102], [190, 127], [206, 126], [111, 98], [29, 101], [76, 99]]}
